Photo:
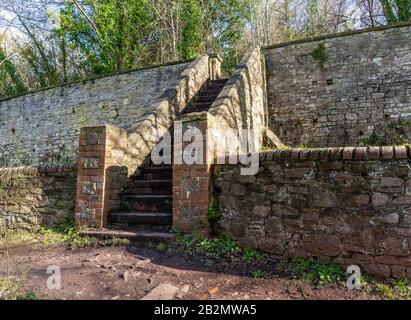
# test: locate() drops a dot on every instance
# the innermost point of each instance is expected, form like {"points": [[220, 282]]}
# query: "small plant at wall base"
{"points": [[314, 271], [214, 215], [319, 54]]}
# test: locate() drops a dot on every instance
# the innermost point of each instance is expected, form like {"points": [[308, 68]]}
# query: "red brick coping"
{"points": [[337, 153]]}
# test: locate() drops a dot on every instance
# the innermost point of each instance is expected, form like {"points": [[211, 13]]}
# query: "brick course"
{"points": [[34, 197]]}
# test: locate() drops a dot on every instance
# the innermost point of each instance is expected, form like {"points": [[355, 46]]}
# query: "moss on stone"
{"points": [[319, 54]]}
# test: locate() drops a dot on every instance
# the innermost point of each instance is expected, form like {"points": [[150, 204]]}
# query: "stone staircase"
{"points": [[206, 96], [146, 202], [145, 212]]}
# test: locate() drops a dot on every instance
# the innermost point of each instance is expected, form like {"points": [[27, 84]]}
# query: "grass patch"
{"points": [[162, 247], [250, 255], [12, 289], [315, 272], [402, 288], [68, 235], [385, 291], [258, 274]]}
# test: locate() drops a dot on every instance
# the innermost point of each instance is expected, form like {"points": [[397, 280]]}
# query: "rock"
{"points": [[379, 199], [125, 276], [326, 244], [358, 200], [142, 263], [163, 291], [271, 245], [391, 182], [325, 199], [261, 212], [392, 218], [378, 270], [184, 290]]}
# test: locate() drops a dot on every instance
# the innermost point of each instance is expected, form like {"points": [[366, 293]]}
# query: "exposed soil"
{"points": [[132, 272]]}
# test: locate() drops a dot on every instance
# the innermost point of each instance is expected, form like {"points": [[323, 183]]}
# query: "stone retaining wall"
{"points": [[346, 205], [45, 125], [34, 197], [340, 90]]}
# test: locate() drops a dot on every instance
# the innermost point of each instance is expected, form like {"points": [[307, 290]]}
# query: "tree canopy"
{"points": [[48, 42]]}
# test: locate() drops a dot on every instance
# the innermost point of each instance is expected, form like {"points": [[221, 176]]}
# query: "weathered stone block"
{"points": [[271, 245], [92, 138], [190, 184], [89, 188], [88, 213], [325, 199], [379, 199]]}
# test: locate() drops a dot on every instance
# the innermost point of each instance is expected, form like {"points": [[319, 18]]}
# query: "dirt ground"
{"points": [[133, 272]]}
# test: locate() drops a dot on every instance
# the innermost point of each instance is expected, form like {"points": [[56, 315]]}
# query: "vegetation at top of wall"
{"points": [[95, 37], [319, 54], [396, 133]]}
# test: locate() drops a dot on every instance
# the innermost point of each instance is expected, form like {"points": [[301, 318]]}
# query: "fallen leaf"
{"points": [[213, 290]]}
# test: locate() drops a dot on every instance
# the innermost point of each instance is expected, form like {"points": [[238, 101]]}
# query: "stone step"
{"points": [[129, 234], [206, 98], [147, 203], [224, 81], [156, 173], [199, 107], [215, 84], [148, 187], [149, 218], [212, 92]]}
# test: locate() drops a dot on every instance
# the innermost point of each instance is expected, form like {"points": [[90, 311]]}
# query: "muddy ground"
{"points": [[135, 272]]}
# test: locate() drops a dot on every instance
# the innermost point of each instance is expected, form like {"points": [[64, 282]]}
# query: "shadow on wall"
{"points": [[35, 197]]}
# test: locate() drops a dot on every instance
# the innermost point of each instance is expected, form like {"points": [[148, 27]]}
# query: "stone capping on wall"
{"points": [[338, 154], [337, 35], [40, 169]]}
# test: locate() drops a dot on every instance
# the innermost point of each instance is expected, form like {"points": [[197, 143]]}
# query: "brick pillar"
{"points": [[191, 182], [102, 172]]}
